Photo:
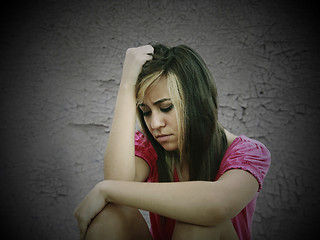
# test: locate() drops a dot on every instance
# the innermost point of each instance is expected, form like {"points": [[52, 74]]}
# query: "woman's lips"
{"points": [[163, 138]]}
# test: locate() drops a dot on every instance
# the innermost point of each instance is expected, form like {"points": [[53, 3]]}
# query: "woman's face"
{"points": [[160, 116]]}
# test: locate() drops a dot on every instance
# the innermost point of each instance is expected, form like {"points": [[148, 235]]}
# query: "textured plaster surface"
{"points": [[60, 68]]}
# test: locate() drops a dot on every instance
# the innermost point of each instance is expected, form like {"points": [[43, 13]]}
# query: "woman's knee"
{"points": [[118, 222], [189, 231]]}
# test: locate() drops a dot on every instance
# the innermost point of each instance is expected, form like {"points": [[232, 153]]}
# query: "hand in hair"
{"points": [[134, 60]]}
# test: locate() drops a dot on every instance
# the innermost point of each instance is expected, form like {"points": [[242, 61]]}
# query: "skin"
{"points": [[213, 203], [119, 162], [160, 116]]}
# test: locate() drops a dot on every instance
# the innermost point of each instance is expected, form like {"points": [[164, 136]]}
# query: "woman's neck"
{"points": [[184, 170], [230, 137]]}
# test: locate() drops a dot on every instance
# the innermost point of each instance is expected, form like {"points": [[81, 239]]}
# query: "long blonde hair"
{"points": [[201, 141]]}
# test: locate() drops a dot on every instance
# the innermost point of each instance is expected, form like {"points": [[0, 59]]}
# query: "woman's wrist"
{"points": [[103, 188]]}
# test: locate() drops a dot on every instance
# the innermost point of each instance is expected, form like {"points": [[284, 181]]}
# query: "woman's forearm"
{"points": [[191, 202], [119, 161]]}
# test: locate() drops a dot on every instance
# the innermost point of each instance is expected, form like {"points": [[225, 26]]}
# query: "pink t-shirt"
{"points": [[244, 153]]}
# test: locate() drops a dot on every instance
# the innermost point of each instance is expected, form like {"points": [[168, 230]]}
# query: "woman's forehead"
{"points": [[157, 91]]}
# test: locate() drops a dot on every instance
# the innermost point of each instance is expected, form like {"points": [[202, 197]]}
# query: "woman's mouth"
{"points": [[163, 138]]}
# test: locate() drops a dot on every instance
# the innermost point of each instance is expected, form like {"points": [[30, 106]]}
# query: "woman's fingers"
{"points": [[140, 54], [89, 207], [83, 230], [82, 224], [134, 60], [147, 49]]}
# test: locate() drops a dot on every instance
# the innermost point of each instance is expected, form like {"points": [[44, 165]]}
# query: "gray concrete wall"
{"points": [[61, 63]]}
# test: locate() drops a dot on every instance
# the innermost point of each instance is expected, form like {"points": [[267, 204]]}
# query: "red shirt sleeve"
{"points": [[249, 155]]}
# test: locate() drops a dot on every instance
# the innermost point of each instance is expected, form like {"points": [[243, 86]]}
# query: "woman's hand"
{"points": [[134, 60], [89, 207]]}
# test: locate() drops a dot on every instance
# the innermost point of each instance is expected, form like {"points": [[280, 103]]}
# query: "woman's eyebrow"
{"points": [[161, 101], [155, 103]]}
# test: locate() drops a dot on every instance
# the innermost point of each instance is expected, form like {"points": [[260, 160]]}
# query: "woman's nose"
{"points": [[157, 121]]}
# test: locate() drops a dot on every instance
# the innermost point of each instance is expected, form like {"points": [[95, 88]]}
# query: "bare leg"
{"points": [[118, 222], [185, 231]]}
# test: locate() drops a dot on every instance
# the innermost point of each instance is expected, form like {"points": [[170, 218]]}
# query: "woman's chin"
{"points": [[170, 147]]}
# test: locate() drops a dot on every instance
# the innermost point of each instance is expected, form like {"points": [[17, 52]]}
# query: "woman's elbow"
{"points": [[217, 213], [215, 217]]}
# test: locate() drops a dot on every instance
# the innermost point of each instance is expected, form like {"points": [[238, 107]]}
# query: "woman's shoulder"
{"points": [[143, 147], [249, 149], [247, 154], [230, 137], [140, 139], [145, 151], [243, 144]]}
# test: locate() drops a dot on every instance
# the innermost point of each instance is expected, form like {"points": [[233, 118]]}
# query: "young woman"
{"points": [[197, 180]]}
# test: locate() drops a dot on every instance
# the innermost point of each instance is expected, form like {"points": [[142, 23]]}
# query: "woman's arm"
{"points": [[119, 161], [194, 202]]}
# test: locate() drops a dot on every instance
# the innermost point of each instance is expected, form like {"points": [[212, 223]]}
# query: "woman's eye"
{"points": [[167, 109]]}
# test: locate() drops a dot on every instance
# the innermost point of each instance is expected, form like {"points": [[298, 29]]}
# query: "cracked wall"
{"points": [[60, 71]]}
